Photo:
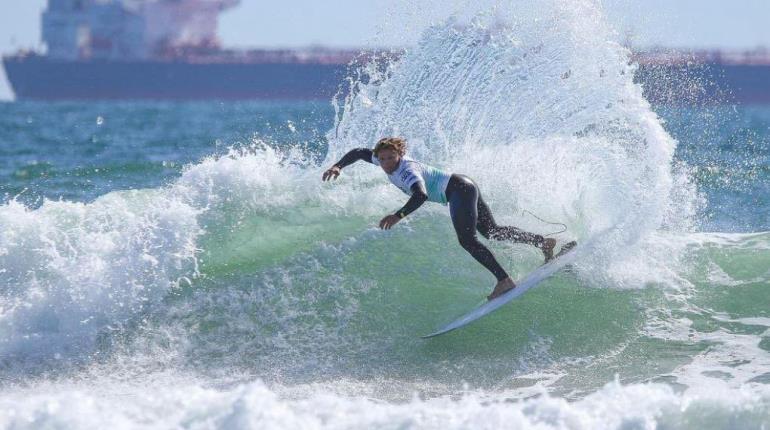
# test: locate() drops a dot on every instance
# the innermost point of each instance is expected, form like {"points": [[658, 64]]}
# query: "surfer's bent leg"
{"points": [[463, 198], [489, 228]]}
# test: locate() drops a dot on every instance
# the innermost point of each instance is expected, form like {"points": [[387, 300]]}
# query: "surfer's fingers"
{"points": [[330, 174]]}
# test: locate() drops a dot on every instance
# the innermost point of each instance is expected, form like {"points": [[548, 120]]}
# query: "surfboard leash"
{"points": [[564, 226]]}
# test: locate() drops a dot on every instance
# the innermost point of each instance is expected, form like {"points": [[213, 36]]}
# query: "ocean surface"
{"points": [[181, 265]]}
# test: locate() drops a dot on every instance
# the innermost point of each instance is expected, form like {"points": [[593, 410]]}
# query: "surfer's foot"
{"points": [[501, 288], [547, 248]]}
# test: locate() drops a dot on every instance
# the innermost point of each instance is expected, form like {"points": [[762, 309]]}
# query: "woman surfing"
{"points": [[467, 209]]}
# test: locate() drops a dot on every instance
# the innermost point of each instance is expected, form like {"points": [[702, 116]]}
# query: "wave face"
{"points": [[244, 292]]}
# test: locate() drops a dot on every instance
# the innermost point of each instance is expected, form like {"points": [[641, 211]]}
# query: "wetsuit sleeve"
{"points": [[419, 196], [355, 155]]}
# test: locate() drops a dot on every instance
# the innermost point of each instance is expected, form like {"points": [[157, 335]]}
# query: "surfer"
{"points": [[467, 209]]}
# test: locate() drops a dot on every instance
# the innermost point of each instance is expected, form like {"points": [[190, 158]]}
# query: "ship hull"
{"points": [[705, 83], [39, 78]]}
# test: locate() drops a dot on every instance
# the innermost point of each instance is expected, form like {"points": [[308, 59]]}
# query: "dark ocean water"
{"points": [[79, 151]]}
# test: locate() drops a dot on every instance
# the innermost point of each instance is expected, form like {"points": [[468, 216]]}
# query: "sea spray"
{"points": [[546, 121]]}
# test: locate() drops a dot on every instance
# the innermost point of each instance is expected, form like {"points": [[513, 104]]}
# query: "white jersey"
{"points": [[409, 172]]}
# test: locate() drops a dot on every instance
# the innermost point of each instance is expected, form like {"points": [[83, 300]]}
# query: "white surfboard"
{"points": [[531, 280]]}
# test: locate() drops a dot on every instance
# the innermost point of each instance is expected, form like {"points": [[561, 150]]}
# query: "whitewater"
{"points": [[237, 290]]}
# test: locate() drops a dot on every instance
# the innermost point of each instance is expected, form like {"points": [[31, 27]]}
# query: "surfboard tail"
{"points": [[565, 256]]}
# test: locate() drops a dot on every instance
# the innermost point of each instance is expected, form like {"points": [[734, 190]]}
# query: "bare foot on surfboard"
{"points": [[547, 248], [501, 288]]}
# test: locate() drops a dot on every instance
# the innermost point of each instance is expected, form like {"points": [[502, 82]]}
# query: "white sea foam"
{"points": [[183, 404], [72, 269]]}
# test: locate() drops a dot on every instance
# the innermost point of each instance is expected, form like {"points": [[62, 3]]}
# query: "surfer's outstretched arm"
{"points": [[348, 159]]}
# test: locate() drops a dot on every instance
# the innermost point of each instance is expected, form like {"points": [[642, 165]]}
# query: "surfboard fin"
{"points": [[565, 248]]}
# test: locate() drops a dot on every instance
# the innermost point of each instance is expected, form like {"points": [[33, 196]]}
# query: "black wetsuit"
{"points": [[469, 214]]}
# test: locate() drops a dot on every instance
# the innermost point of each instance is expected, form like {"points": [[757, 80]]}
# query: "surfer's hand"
{"points": [[331, 173], [389, 221]]}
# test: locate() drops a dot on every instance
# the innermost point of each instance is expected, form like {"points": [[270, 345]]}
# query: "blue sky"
{"points": [[740, 24]]}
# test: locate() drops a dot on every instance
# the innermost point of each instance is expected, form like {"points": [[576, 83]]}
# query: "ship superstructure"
{"points": [[162, 49], [130, 29]]}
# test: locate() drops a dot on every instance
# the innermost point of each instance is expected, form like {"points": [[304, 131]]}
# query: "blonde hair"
{"points": [[395, 143]]}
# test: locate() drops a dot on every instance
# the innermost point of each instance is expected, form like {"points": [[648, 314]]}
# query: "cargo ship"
{"points": [[169, 50], [164, 50]]}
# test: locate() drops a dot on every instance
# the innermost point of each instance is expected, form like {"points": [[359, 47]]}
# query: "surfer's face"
{"points": [[389, 160]]}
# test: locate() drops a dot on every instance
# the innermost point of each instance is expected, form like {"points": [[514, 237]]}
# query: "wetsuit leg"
{"points": [[463, 207], [489, 228]]}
